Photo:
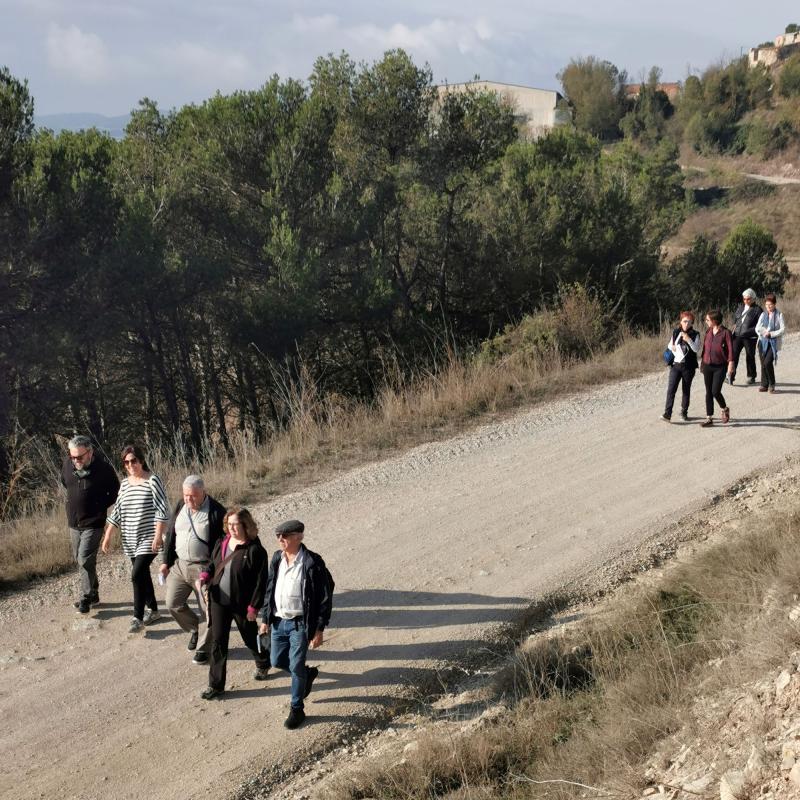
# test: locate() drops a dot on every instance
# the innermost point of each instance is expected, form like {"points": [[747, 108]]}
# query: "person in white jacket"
{"points": [[684, 345], [770, 329]]}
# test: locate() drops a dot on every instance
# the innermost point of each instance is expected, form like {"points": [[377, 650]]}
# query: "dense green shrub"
{"points": [[709, 276], [789, 82], [580, 326]]}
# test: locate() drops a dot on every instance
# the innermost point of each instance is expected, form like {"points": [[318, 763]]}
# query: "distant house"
{"points": [[537, 111], [786, 44], [671, 90]]}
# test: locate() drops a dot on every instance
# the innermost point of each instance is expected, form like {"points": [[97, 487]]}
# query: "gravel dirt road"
{"points": [[430, 551]]}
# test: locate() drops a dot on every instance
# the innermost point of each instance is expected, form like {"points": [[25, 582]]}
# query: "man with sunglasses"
{"points": [[92, 486], [297, 608]]}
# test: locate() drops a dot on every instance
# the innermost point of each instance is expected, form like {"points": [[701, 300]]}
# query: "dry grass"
{"points": [[778, 213], [588, 707], [330, 434]]}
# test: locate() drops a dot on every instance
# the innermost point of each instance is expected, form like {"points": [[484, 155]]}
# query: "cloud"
{"points": [[427, 40], [82, 55], [320, 24], [201, 63]]}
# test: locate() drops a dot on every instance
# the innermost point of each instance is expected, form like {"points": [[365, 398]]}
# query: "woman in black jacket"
{"points": [[684, 344], [236, 578]]}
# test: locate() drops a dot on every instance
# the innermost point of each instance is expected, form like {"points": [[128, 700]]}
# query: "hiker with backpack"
{"points": [[297, 608], [683, 345], [236, 578]]}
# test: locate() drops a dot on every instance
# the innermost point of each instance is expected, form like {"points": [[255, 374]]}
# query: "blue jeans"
{"points": [[288, 648]]}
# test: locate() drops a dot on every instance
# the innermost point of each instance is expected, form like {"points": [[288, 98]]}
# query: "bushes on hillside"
{"points": [[709, 276], [789, 82], [581, 324]]}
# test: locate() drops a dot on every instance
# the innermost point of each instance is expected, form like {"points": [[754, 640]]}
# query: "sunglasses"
{"points": [[128, 461], [80, 456], [284, 535]]}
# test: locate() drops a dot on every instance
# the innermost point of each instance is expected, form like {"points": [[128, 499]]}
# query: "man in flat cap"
{"points": [[744, 333], [297, 608]]}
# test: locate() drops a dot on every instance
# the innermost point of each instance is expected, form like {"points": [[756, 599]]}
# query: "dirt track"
{"points": [[429, 551]]}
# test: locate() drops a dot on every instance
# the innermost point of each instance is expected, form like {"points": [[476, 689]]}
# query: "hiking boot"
{"points": [[261, 674], [295, 718], [82, 606], [311, 676], [192, 641], [726, 415], [210, 693], [707, 422], [762, 389], [136, 625], [200, 657], [666, 418], [150, 615], [685, 416]]}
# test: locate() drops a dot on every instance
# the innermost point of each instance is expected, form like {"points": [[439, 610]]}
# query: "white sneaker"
{"points": [[136, 625], [150, 616]]}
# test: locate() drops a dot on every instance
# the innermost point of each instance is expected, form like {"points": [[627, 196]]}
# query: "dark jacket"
{"points": [[689, 356], [744, 324], [317, 595], [216, 515], [248, 571], [89, 498]]}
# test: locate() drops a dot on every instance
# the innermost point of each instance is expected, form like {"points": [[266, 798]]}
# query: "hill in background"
{"points": [[114, 126]]}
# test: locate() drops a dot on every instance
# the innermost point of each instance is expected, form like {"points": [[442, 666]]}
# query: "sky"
{"points": [[102, 56]]}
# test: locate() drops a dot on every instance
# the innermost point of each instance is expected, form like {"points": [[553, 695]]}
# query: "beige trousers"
{"points": [[180, 585]]}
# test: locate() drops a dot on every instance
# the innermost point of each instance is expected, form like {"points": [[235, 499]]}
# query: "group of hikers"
{"points": [[280, 605], [717, 356]]}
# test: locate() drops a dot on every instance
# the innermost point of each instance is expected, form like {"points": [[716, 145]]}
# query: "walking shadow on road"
{"points": [[387, 608], [789, 423]]}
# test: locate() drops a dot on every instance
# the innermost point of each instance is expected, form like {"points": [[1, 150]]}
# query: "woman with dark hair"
{"points": [[770, 329], [141, 514], [717, 358], [684, 345], [237, 580]]}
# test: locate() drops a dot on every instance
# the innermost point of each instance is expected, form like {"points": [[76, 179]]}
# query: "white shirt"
{"points": [[289, 587]]}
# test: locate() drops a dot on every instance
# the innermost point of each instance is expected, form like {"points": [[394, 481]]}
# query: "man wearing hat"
{"points": [[297, 608], [744, 333]]}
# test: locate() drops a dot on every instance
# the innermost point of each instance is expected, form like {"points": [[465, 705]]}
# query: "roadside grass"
{"points": [[329, 434], [587, 706]]}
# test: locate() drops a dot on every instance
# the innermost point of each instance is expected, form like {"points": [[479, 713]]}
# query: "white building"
{"points": [[536, 110], [786, 44]]}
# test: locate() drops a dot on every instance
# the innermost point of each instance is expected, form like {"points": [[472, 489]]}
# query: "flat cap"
{"points": [[290, 526]]}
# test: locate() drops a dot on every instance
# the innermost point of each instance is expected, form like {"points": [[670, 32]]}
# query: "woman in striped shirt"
{"points": [[141, 514]]}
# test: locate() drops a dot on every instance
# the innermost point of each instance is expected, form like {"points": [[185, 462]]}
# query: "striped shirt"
{"points": [[139, 506]]}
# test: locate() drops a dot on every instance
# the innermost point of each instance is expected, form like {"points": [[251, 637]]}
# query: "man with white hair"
{"points": [[194, 529], [744, 334], [92, 486]]}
